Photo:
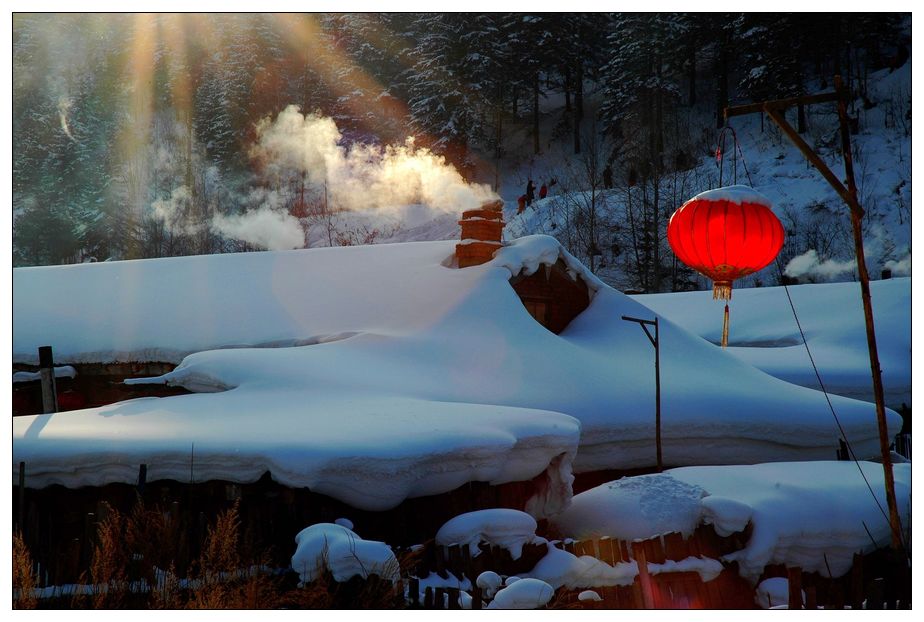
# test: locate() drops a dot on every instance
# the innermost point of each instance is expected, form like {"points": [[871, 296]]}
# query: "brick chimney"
{"points": [[481, 234]]}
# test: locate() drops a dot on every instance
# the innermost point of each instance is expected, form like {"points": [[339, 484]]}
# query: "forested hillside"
{"points": [[141, 136]]}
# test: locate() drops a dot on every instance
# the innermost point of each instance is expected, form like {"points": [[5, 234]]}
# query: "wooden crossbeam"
{"points": [[779, 104]]}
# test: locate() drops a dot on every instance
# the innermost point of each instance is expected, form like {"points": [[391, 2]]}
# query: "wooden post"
{"points": [[428, 598], [453, 594], [477, 599], [656, 342], [856, 582], [142, 478], [795, 588], [644, 579], [413, 588], [47, 374]]}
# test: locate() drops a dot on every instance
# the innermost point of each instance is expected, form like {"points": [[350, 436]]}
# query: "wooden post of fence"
{"points": [[811, 599], [644, 579], [47, 375], [856, 582], [413, 588], [453, 594], [795, 588], [142, 478], [428, 598]]}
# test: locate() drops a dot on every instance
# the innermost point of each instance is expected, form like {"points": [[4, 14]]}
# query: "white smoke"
{"points": [[302, 160], [902, 267], [270, 229], [175, 212], [809, 264], [361, 176]]}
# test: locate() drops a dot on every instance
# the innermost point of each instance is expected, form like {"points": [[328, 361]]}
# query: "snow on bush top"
{"points": [[733, 194], [509, 529], [343, 553]]}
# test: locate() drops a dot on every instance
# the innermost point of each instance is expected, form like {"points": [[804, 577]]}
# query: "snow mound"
{"points": [[508, 529], [343, 553], [523, 594], [633, 508], [563, 569]]}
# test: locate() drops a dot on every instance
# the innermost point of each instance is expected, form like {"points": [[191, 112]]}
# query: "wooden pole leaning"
{"points": [[848, 193]]}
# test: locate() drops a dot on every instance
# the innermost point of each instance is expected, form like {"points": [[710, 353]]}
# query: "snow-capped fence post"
{"points": [[47, 374]]}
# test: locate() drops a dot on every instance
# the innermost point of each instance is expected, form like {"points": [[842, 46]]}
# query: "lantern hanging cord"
{"points": [[840, 427], [720, 154]]}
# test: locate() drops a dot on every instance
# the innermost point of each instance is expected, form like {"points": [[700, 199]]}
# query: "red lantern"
{"points": [[725, 234]]}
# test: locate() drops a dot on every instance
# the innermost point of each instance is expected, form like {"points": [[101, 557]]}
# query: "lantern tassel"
{"points": [[725, 329], [721, 290]]}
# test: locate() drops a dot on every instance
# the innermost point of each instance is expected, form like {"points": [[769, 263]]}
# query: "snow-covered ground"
{"points": [[419, 377], [765, 334]]}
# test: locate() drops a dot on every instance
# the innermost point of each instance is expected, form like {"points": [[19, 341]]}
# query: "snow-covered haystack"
{"points": [[403, 377], [765, 334], [811, 516], [331, 547]]}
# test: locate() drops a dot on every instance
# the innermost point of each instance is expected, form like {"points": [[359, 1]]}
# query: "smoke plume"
{"points": [[809, 264], [902, 267], [361, 176]]}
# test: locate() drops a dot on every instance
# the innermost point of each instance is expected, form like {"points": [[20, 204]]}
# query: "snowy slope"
{"points": [[764, 332], [815, 218], [439, 377]]}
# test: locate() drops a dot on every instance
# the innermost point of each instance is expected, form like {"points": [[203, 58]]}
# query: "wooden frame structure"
{"points": [[775, 110]]}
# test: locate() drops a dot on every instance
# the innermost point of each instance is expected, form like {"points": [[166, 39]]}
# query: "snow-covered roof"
{"points": [[764, 332], [420, 377]]}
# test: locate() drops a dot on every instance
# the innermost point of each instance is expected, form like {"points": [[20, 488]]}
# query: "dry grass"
{"points": [[24, 579], [142, 548]]}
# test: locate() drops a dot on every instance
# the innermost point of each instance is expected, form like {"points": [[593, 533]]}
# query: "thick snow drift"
{"points": [[508, 529], [812, 516], [419, 378], [764, 332]]}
